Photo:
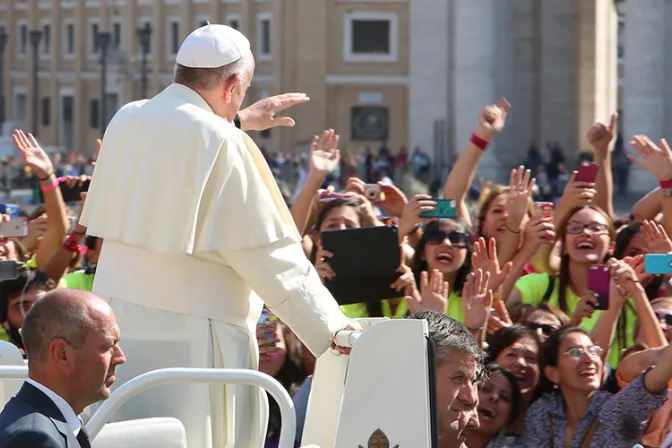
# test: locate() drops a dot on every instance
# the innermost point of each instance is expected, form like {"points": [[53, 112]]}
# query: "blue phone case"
{"points": [[658, 264], [445, 208]]}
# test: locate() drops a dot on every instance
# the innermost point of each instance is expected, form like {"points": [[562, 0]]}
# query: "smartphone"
{"points": [[14, 228], [72, 194], [445, 208], [543, 209], [587, 172], [372, 192], [11, 210], [325, 196], [599, 281], [71, 221], [9, 270], [658, 263]]}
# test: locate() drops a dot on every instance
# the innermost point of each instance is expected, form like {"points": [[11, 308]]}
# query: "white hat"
{"points": [[213, 46]]}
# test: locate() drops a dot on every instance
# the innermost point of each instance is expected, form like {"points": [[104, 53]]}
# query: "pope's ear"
{"points": [[230, 86]]}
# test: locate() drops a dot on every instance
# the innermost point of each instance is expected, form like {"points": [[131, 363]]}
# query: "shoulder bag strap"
{"points": [[552, 430], [585, 443], [550, 288]]}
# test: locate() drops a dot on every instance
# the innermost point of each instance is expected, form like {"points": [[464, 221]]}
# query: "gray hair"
{"points": [[449, 335], [58, 314], [210, 78]]}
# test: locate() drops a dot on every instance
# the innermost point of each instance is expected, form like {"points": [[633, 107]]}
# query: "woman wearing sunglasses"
{"points": [[586, 234], [572, 411], [441, 265]]}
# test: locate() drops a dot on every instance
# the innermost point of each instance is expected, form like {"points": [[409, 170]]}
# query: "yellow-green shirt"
{"points": [[77, 280], [360, 310], [32, 263], [533, 287]]}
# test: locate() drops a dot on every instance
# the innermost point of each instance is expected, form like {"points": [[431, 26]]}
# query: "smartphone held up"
{"points": [[599, 281]]}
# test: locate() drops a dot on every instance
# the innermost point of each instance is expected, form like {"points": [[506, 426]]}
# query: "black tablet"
{"points": [[365, 262]]}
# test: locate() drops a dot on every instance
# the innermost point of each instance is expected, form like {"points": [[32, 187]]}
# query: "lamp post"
{"points": [[35, 37], [103, 41], [3, 42], [144, 35]]}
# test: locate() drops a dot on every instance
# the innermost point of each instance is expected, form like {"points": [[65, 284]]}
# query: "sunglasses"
{"points": [[457, 239], [546, 329], [663, 317]]}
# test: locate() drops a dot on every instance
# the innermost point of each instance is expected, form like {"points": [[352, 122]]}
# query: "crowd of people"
{"points": [[528, 355]]}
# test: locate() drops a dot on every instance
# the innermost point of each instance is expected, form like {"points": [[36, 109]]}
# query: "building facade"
{"points": [[407, 72]]}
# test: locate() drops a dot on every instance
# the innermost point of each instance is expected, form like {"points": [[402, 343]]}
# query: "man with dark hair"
{"points": [[17, 297], [71, 338], [460, 369]]}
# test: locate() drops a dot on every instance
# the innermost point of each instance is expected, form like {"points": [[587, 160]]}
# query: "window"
{"points": [[69, 39], [370, 37], [46, 39], [23, 39], [174, 37], [264, 50], [369, 123], [234, 22], [21, 107], [95, 28], [46, 111], [94, 113], [116, 36]]}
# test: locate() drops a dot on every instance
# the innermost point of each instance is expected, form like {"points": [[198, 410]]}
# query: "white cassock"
{"points": [[195, 231]]}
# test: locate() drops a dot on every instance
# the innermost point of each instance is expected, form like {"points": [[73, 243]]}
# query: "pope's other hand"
{"points": [[352, 326], [263, 114]]}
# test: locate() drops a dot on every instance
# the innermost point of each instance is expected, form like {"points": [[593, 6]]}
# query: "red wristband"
{"points": [[51, 187], [70, 243], [665, 184], [478, 142]]}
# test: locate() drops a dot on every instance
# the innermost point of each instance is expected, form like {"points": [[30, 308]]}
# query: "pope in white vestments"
{"points": [[195, 232]]}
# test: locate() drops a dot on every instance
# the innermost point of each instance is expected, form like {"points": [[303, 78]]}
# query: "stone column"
{"points": [[644, 78], [429, 71], [596, 70], [475, 50]]}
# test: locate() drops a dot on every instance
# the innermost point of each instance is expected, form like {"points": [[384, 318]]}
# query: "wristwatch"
{"points": [[236, 121], [666, 193]]}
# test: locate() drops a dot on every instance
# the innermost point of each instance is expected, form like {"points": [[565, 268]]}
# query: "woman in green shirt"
{"points": [[443, 255], [586, 235]]}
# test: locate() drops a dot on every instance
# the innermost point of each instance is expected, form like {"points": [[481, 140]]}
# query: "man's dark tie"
{"points": [[83, 438]]}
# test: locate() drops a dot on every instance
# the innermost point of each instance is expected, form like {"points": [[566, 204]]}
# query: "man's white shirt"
{"points": [[70, 417]]}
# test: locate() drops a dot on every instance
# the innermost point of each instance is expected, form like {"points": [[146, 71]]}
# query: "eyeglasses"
{"points": [[547, 329], [595, 351], [435, 237], [663, 317], [595, 228]]}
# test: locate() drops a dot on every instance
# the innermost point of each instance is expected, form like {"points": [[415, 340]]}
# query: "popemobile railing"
{"points": [[177, 375]]}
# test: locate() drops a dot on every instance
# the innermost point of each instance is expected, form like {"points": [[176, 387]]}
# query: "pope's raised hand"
{"points": [[263, 114]]}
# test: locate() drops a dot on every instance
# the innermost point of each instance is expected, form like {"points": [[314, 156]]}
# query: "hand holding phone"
{"points": [[599, 282], [587, 172]]}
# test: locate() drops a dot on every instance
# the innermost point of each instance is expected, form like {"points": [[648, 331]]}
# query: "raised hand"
{"points": [[395, 200], [656, 238], [492, 119], [656, 160], [623, 275], [485, 258], [34, 156], [410, 217], [600, 135], [433, 294], [476, 299], [584, 309], [405, 282], [538, 231], [577, 193], [263, 114], [517, 202], [324, 153]]}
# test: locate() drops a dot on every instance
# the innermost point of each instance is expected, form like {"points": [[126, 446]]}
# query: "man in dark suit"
{"points": [[71, 338]]}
